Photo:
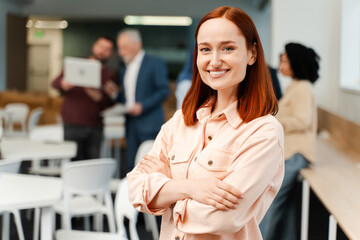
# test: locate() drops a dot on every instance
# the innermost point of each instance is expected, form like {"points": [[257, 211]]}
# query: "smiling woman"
{"points": [[217, 164]]}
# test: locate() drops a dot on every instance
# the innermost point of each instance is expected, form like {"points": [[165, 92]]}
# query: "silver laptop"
{"points": [[82, 72]]}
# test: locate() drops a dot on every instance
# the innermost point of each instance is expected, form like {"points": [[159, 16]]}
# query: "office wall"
{"points": [[6, 6], [316, 24], [115, 9]]}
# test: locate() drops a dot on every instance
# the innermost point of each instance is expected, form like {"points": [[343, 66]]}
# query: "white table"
{"points": [[26, 149], [20, 191], [48, 132], [35, 151]]}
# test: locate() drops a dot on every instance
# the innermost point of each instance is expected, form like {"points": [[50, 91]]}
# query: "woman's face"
{"points": [[222, 55], [284, 66]]}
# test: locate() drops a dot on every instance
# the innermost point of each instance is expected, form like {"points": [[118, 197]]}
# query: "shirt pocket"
{"points": [[179, 156], [215, 160]]}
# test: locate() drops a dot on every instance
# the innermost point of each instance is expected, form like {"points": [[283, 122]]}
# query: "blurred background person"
{"points": [[183, 81], [82, 106], [144, 87], [275, 82], [298, 116]]}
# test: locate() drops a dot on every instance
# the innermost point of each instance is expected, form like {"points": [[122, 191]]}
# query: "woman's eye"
{"points": [[204, 49], [228, 49]]}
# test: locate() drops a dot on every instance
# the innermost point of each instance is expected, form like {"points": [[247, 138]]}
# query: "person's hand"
{"points": [[94, 94], [135, 110], [150, 164], [213, 191], [111, 89], [65, 85]]}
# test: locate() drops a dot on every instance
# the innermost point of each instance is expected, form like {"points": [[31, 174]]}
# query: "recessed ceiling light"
{"points": [[158, 20], [42, 24]]}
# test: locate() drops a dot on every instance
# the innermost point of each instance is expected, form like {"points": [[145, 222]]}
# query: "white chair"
{"points": [[51, 133], [143, 149], [86, 191], [34, 118], [11, 166], [123, 209], [150, 220], [114, 130], [16, 113]]}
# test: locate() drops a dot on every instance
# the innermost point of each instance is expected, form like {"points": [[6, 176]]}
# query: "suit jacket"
{"points": [[152, 88]]}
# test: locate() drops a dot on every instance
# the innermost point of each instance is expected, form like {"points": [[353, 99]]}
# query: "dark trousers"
{"points": [[88, 140], [133, 140]]}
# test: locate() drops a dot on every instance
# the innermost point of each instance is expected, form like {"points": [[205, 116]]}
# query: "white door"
{"points": [[38, 67]]}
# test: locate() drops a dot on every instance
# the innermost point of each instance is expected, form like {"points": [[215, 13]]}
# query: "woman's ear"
{"points": [[253, 54]]}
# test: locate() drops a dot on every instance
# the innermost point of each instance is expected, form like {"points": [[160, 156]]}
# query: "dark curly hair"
{"points": [[304, 61]]}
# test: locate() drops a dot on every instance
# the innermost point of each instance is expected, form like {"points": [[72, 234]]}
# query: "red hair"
{"points": [[256, 96]]}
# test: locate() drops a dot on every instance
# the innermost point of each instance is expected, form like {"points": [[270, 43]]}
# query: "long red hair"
{"points": [[256, 96]]}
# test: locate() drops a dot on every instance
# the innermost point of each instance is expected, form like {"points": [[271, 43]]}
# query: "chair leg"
{"points": [[98, 222], [110, 213], [6, 226], [18, 224], [36, 224], [151, 219], [147, 223], [133, 233], [117, 155], [87, 223]]}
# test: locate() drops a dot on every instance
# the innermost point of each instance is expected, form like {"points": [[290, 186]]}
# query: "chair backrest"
{"points": [[123, 208], [88, 177], [10, 166], [143, 149], [18, 111], [34, 117]]}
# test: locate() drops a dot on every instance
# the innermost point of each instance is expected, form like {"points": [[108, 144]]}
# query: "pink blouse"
{"points": [[215, 144]]}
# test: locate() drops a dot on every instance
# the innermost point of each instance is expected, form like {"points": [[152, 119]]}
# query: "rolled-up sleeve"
{"points": [[258, 173], [144, 187]]}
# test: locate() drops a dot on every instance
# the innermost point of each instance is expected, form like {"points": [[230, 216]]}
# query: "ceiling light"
{"points": [[42, 24], [158, 20]]}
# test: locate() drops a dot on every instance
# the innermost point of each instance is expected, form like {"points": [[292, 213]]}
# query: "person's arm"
{"points": [[299, 115], [61, 85], [258, 173], [102, 96]]}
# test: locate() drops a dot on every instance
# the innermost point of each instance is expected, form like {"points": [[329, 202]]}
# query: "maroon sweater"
{"points": [[78, 108]]}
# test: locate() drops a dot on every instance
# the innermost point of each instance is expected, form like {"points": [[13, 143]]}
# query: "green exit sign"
{"points": [[39, 33]]}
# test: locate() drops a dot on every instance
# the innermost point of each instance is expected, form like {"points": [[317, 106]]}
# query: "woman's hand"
{"points": [[213, 191], [151, 164]]}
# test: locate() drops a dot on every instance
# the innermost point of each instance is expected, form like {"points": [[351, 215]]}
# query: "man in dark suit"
{"points": [[143, 88]]}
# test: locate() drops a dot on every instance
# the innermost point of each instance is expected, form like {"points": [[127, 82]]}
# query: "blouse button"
{"points": [[177, 238], [195, 159], [209, 137], [210, 162], [172, 157]]}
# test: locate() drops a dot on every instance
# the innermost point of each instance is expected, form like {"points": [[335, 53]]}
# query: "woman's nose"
{"points": [[215, 59]]}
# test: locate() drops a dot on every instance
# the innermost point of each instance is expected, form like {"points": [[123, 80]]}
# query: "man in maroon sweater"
{"points": [[81, 109]]}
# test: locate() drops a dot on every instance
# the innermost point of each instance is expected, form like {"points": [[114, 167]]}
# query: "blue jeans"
{"points": [[280, 220]]}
